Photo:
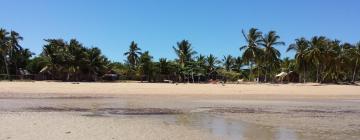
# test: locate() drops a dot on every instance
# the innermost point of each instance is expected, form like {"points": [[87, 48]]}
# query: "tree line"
{"points": [[318, 59]]}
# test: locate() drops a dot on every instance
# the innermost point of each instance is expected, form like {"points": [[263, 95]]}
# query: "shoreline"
{"points": [[113, 89], [256, 92], [307, 111]]}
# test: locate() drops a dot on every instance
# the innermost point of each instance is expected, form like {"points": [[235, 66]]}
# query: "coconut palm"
{"points": [[21, 58], [146, 65], [133, 55], [211, 64], [238, 63], [300, 47], [77, 58], [271, 55], [56, 53], [164, 66], [355, 51], [184, 51], [335, 60], [14, 48], [315, 54], [201, 68], [96, 63], [4, 43], [252, 52], [228, 62]]}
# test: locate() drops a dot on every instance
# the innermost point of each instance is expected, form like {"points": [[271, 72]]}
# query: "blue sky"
{"points": [[212, 26]]}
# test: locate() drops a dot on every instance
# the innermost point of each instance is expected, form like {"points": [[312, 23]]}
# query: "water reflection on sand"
{"points": [[229, 128], [218, 119]]}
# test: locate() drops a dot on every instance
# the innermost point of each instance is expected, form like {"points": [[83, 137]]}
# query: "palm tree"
{"points": [[200, 66], [211, 63], [185, 55], [300, 47], [184, 52], [238, 63], [252, 52], [287, 64], [271, 54], [355, 51], [164, 66], [133, 55], [96, 62], [77, 57], [146, 65], [335, 60], [4, 43], [58, 56], [14, 47], [228, 62], [315, 53]]}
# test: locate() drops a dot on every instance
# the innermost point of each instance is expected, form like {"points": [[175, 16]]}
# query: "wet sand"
{"points": [[29, 110]]}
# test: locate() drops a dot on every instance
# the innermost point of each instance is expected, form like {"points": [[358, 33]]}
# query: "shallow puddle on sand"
{"points": [[228, 129], [214, 120]]}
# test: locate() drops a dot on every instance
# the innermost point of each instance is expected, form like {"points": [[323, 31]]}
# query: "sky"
{"points": [[212, 26]]}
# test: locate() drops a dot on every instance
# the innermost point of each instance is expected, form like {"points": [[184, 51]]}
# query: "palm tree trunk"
{"points": [[258, 75], [354, 73], [7, 68], [265, 76], [317, 73], [251, 71], [68, 76], [89, 76], [188, 79], [304, 75], [192, 76], [198, 79]]}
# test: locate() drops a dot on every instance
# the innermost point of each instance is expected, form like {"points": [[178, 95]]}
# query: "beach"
{"points": [[56, 110]]}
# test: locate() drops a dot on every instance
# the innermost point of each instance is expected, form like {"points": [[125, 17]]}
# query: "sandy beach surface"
{"points": [[143, 111]]}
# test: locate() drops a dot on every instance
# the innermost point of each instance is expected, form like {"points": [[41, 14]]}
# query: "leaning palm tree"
{"points": [[252, 52], [315, 53], [271, 54], [300, 47], [133, 55]]}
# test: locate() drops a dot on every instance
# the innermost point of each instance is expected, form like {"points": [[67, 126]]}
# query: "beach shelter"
{"points": [[281, 76]]}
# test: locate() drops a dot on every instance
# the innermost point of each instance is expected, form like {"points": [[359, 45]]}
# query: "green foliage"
{"points": [[229, 75], [147, 66], [72, 61], [319, 59], [133, 55]]}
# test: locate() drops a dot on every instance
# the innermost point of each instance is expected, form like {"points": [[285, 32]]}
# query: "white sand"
{"points": [[312, 110], [103, 89], [60, 126]]}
